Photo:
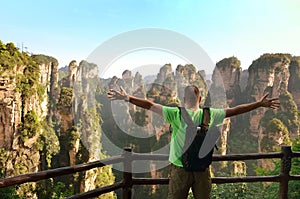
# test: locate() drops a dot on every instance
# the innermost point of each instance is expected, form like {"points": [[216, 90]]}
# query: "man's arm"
{"points": [[140, 102], [244, 108]]}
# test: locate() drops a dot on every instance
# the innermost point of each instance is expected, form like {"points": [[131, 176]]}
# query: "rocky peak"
{"points": [[226, 75], [164, 72], [269, 73], [227, 72], [126, 74], [263, 70], [138, 79], [72, 73]]}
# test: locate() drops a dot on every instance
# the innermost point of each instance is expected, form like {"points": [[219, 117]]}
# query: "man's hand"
{"points": [[244, 108], [269, 102], [117, 95]]}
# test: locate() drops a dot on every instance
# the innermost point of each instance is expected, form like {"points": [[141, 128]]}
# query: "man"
{"points": [[181, 181]]}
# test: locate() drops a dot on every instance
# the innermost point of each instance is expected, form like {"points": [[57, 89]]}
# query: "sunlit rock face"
{"points": [[269, 73], [225, 92], [24, 99]]}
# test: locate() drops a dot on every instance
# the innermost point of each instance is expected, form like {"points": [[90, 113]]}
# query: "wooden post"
{"points": [[127, 173], [285, 168]]}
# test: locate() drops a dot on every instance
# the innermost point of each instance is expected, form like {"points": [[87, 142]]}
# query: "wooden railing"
{"points": [[128, 181]]}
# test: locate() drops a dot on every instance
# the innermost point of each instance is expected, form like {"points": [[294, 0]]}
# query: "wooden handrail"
{"points": [[216, 180], [99, 191], [296, 155], [285, 168], [34, 177], [247, 156], [128, 157], [228, 157]]}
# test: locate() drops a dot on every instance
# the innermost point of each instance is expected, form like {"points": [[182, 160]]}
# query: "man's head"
{"points": [[192, 96]]}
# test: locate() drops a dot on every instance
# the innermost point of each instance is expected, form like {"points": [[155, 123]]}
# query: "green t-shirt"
{"points": [[172, 116]]}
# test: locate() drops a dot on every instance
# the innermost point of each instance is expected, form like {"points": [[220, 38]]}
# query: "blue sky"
{"points": [[70, 30]]}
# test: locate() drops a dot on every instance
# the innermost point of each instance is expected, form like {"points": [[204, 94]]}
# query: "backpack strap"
{"points": [[185, 115], [206, 117], [188, 120]]}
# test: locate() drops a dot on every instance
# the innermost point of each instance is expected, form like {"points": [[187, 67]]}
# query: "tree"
{"points": [[271, 191]]}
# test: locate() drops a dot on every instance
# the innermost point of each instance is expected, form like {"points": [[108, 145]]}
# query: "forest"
{"points": [[53, 117]]}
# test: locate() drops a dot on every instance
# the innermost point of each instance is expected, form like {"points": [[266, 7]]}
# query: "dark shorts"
{"points": [[181, 181]]}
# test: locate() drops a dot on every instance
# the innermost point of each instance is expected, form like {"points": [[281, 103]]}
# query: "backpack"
{"points": [[194, 138]]}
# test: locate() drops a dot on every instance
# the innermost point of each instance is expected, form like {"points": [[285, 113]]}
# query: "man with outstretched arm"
{"points": [[181, 181]]}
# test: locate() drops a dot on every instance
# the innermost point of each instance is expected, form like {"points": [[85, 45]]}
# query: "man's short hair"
{"points": [[191, 94]]}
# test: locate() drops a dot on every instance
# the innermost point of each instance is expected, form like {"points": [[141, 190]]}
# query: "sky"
{"points": [[72, 30]]}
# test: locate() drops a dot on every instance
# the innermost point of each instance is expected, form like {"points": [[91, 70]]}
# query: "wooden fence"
{"points": [[128, 181]]}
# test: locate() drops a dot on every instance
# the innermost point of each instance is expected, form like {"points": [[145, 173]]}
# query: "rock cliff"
{"points": [[270, 73], [52, 118], [38, 130], [226, 83], [79, 127], [24, 106]]}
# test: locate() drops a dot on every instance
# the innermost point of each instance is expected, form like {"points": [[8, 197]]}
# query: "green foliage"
{"points": [[28, 83], [271, 190], [43, 59], [105, 178], [10, 57], [3, 158], [61, 191], [269, 115], [31, 126], [237, 190], [8, 192], [73, 136], [275, 133], [229, 62], [20, 168], [65, 100], [27, 190], [54, 190], [241, 142], [48, 141], [288, 115], [267, 62]]}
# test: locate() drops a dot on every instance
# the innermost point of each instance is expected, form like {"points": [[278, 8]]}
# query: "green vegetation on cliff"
{"points": [[233, 62], [276, 134], [271, 190], [25, 67], [44, 59], [267, 61], [10, 57], [65, 141], [8, 192], [48, 142], [31, 126], [65, 100], [288, 114]]}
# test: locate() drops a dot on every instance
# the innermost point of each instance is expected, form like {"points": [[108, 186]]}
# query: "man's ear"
{"points": [[199, 99]]}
